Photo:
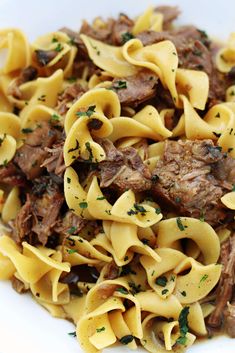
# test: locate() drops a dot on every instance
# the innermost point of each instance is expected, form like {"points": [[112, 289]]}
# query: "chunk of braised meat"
{"points": [[76, 40], [121, 26], [193, 49], [43, 57], [23, 223], [54, 163], [27, 74], [135, 89], [12, 175], [32, 154], [70, 224], [70, 95], [225, 288], [18, 285], [188, 179], [123, 169], [170, 13], [47, 209], [229, 319], [82, 61], [102, 33], [37, 217], [112, 271]]}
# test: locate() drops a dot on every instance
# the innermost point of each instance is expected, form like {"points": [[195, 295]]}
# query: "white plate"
{"points": [[24, 326]]}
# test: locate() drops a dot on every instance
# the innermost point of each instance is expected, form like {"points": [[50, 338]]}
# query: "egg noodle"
{"points": [[157, 298]]}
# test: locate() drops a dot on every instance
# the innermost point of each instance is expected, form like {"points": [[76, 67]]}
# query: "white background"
{"points": [[24, 326]]}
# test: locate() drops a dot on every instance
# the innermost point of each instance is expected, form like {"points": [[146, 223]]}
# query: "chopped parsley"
{"points": [[71, 79], [126, 37], [161, 281], [233, 189], [68, 180], [88, 147], [83, 205], [75, 148], [99, 198], [72, 230], [217, 115], [155, 178], [5, 162], [98, 330], [157, 210], [139, 208], [54, 40], [42, 98], [202, 216], [203, 279], [165, 291], [183, 293], [55, 117], [183, 323], [120, 84], [177, 199], [216, 134], [126, 339], [59, 47], [73, 334], [90, 111], [122, 290], [134, 288], [27, 130], [180, 224], [71, 251]]}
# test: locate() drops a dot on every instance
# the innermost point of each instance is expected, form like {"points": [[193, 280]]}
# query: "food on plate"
{"points": [[117, 147]]}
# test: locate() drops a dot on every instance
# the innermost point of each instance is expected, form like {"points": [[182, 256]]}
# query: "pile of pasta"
{"points": [[160, 301]]}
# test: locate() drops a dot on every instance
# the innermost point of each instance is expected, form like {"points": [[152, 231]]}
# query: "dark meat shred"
{"points": [[70, 220], [54, 163], [12, 175], [43, 57], [225, 287], [189, 171], [22, 225], [18, 286], [38, 216], [32, 154], [121, 26], [139, 88], [70, 94], [193, 49], [123, 169], [27, 74], [170, 13], [229, 319]]}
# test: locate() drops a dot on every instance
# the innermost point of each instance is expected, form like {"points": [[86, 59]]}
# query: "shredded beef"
{"points": [[54, 163], [22, 225], [193, 49], [70, 94], [18, 286], [121, 26], [12, 175], [103, 33], [170, 13], [70, 221], [32, 154], [27, 74], [38, 216], [225, 287], [139, 87], [123, 169], [229, 319], [43, 57], [188, 179]]}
